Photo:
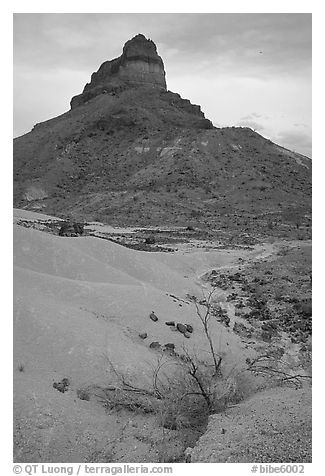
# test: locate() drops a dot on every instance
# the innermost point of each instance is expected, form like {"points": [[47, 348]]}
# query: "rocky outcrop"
{"points": [[139, 64]]}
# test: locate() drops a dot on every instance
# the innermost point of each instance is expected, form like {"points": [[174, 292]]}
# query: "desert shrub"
{"points": [[21, 367], [150, 240], [182, 405], [121, 399], [278, 294], [83, 394], [190, 400], [304, 308], [182, 392], [270, 225], [195, 214]]}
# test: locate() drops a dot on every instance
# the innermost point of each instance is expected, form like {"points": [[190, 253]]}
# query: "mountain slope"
{"points": [[129, 151]]}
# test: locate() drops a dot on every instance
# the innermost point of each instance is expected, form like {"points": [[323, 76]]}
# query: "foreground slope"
{"points": [[271, 427], [80, 298], [79, 306], [80, 303]]}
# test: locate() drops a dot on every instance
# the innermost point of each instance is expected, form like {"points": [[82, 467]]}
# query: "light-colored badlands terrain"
{"points": [[79, 307]]}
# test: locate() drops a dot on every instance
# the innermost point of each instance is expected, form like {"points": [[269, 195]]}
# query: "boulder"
{"points": [[181, 328], [78, 228], [150, 240], [155, 345], [153, 317], [170, 346], [71, 229], [62, 386]]}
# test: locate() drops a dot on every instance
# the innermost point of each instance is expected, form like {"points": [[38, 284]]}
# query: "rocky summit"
{"points": [[129, 151], [139, 64]]}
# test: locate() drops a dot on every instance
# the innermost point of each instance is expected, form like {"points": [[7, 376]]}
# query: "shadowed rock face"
{"points": [[139, 64]]}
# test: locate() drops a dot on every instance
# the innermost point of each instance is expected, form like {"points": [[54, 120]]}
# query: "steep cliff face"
{"points": [[139, 65]]}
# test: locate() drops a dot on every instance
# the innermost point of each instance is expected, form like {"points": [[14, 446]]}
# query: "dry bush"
{"points": [[119, 398], [21, 367], [277, 370]]}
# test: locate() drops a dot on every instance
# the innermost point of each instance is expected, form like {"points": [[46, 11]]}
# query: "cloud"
{"points": [[217, 42], [300, 124], [296, 141], [252, 115], [252, 125]]}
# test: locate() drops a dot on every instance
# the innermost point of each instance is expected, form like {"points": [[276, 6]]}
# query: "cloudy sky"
{"points": [[243, 69]]}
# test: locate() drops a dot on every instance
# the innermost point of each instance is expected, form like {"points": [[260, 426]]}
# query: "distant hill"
{"points": [[131, 152]]}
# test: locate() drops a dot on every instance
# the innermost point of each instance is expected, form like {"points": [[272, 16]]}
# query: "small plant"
{"points": [[270, 225], [150, 240], [83, 394], [21, 367]]}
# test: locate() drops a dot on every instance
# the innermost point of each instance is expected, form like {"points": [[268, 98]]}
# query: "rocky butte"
{"points": [[129, 151], [139, 65]]}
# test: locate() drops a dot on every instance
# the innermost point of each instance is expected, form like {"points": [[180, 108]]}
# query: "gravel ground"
{"points": [[273, 426]]}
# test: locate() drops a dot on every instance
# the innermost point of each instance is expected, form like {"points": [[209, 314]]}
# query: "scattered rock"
{"points": [[225, 319], [155, 345], [144, 335], [270, 327], [153, 317], [181, 328], [189, 328], [170, 349], [266, 336], [62, 386], [170, 345], [242, 330], [170, 323]]}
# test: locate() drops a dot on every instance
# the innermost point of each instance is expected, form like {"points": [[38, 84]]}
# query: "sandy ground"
{"points": [[80, 302], [273, 426]]}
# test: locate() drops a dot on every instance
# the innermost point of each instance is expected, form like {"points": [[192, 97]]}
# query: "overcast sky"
{"points": [[243, 69]]}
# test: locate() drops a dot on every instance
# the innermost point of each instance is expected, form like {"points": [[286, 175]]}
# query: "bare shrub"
{"points": [[271, 364], [205, 317], [84, 394]]}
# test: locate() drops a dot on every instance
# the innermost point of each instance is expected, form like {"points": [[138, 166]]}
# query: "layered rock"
{"points": [[139, 64]]}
